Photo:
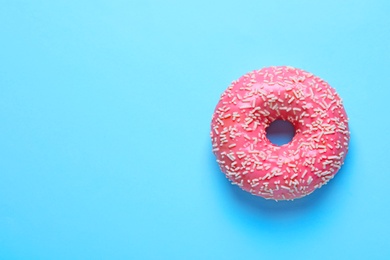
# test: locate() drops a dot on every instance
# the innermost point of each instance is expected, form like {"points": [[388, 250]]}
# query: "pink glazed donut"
{"points": [[246, 156]]}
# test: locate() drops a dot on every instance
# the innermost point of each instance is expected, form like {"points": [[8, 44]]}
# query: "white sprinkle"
{"points": [[311, 93], [322, 105], [226, 116], [231, 157], [296, 94], [309, 180], [329, 132], [304, 173], [240, 154], [244, 106]]}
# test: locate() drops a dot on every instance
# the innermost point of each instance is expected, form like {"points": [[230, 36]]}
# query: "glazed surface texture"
{"points": [[314, 155]]}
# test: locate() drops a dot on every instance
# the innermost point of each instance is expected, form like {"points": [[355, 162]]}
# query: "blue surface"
{"points": [[280, 132], [105, 109]]}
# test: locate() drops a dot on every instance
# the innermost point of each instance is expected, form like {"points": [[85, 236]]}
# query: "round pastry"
{"points": [[247, 108]]}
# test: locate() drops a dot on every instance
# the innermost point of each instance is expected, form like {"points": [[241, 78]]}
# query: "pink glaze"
{"points": [[250, 104]]}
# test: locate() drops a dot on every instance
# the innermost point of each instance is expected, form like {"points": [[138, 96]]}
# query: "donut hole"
{"points": [[280, 132]]}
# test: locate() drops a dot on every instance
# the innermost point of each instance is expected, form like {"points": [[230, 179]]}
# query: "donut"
{"points": [[293, 170]]}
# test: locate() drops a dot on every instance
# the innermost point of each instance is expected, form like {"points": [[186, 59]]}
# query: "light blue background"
{"points": [[105, 109]]}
